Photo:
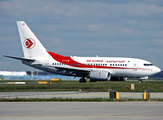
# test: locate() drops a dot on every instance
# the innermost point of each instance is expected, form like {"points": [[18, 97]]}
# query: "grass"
{"points": [[73, 100], [120, 86]]}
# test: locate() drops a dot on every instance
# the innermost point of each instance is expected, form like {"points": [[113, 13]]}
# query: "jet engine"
{"points": [[99, 76]]}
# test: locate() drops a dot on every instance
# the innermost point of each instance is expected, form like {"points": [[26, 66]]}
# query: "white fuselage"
{"points": [[117, 66]]}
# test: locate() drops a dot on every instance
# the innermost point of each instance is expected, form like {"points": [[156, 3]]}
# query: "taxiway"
{"points": [[81, 110]]}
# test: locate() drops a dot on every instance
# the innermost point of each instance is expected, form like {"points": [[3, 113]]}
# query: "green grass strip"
{"points": [[120, 86], [72, 100]]}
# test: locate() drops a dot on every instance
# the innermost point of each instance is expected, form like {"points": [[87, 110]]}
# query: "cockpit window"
{"points": [[148, 64]]}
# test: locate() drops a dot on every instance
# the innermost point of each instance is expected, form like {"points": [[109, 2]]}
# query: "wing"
{"points": [[73, 72], [58, 70]]}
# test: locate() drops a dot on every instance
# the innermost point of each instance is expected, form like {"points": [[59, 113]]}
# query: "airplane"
{"points": [[87, 68]]}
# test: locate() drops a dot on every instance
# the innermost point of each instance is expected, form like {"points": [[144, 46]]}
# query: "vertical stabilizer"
{"points": [[31, 45]]}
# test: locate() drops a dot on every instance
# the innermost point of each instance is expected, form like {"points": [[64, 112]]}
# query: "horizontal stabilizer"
{"points": [[20, 58]]}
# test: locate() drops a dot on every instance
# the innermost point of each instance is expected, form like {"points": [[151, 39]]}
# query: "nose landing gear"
{"points": [[143, 78]]}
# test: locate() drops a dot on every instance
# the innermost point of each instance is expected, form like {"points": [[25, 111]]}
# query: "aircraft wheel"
{"points": [[140, 81], [82, 80]]}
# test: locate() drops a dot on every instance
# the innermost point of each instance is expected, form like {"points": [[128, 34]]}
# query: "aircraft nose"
{"points": [[157, 70]]}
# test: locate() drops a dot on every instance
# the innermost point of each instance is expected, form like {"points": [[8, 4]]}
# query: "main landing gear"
{"points": [[140, 81], [82, 80]]}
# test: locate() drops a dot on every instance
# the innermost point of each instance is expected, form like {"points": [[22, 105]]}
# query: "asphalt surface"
{"points": [[81, 110], [76, 94]]}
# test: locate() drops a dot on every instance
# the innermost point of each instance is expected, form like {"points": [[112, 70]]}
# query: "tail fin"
{"points": [[31, 45]]}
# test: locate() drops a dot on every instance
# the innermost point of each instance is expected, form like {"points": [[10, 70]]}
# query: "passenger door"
{"points": [[135, 66]]}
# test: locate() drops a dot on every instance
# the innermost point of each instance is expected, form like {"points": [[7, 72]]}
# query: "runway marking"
{"points": [[102, 116]]}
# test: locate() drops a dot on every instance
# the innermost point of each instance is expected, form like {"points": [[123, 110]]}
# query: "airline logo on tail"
{"points": [[29, 43]]}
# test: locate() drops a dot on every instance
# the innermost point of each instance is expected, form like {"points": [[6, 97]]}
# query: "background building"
{"points": [[32, 75]]}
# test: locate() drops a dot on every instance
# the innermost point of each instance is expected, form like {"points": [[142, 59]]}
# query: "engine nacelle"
{"points": [[99, 76]]}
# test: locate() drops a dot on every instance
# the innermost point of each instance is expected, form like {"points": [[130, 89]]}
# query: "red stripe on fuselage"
{"points": [[63, 59], [69, 61]]}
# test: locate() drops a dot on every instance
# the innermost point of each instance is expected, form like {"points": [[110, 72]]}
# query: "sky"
{"points": [[107, 28]]}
